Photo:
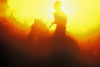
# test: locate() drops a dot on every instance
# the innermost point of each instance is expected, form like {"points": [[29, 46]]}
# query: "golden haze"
{"points": [[83, 15]]}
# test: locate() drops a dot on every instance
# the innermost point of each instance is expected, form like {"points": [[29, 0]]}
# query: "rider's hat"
{"points": [[57, 3]]}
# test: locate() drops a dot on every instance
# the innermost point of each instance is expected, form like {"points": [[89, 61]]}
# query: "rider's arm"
{"points": [[54, 22]]}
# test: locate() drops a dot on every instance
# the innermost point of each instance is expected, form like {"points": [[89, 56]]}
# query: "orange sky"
{"points": [[83, 15]]}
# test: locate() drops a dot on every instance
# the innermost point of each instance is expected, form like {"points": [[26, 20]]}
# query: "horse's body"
{"points": [[60, 45]]}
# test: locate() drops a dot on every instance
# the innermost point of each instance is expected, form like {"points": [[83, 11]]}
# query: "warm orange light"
{"points": [[83, 15]]}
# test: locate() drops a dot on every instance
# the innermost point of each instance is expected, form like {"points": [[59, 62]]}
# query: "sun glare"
{"points": [[83, 15]]}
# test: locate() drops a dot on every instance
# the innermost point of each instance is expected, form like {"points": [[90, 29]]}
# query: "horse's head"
{"points": [[36, 23], [39, 23], [38, 20], [38, 28]]}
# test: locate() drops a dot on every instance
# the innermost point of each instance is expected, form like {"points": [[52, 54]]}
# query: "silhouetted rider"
{"points": [[60, 18]]}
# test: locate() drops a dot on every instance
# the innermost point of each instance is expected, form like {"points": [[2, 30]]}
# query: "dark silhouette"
{"points": [[66, 51], [65, 48], [17, 51], [60, 19], [38, 29]]}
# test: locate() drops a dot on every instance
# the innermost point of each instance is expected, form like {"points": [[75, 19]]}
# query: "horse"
{"points": [[38, 29], [62, 45]]}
